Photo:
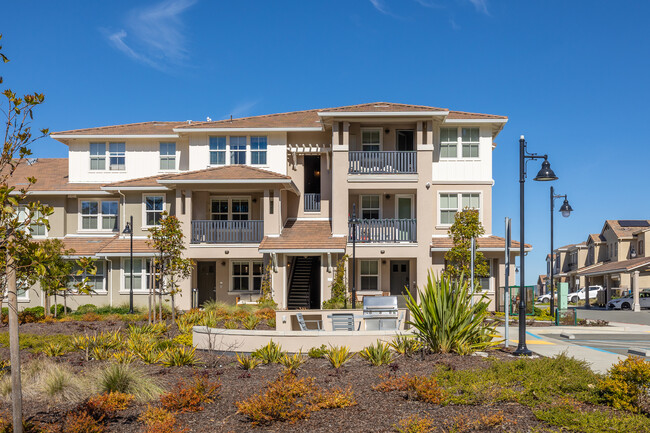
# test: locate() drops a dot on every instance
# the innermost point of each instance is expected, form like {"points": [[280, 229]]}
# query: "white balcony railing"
{"points": [[226, 231], [384, 231], [312, 202], [386, 162]]}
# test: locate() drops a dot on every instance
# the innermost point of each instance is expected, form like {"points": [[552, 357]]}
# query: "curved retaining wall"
{"points": [[242, 340]]}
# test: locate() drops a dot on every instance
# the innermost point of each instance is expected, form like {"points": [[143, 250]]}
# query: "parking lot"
{"points": [[608, 342]]}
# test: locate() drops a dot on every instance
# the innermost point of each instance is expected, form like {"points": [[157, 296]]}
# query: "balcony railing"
{"points": [[312, 202], [385, 230], [388, 162], [227, 232]]}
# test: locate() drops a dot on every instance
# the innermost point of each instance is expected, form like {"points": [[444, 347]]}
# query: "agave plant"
{"points": [[293, 362], [247, 362], [377, 354], [251, 321], [338, 355], [446, 320], [405, 345], [178, 356], [270, 354]]}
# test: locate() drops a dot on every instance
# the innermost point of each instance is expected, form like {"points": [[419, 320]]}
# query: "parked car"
{"points": [[580, 294], [625, 303], [546, 298]]}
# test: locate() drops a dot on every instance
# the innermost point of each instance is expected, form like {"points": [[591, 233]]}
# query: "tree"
{"points": [[266, 290], [466, 226], [22, 259], [339, 287], [167, 239]]}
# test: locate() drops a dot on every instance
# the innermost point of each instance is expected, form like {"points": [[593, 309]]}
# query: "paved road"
{"points": [[617, 343], [639, 318]]}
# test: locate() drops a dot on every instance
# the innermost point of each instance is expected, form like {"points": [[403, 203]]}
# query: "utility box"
{"points": [[562, 292]]}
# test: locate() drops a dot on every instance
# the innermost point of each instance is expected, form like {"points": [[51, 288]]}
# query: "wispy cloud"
{"points": [[481, 6], [154, 35], [381, 6], [454, 24], [242, 109], [429, 4]]}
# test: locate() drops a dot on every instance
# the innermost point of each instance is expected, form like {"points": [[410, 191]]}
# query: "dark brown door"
{"points": [[207, 281], [399, 276]]}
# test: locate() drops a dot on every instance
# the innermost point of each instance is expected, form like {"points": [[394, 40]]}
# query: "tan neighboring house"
{"points": [[609, 258], [275, 190], [541, 286]]}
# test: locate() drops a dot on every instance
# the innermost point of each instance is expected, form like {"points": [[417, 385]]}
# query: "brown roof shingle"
{"points": [[484, 242], [227, 172], [140, 128], [309, 235], [629, 228], [96, 246], [616, 267], [51, 175]]}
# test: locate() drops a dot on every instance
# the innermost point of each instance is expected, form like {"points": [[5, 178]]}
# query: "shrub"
{"points": [[423, 388], [186, 397], [251, 322], [184, 339], [124, 357], [626, 385], [60, 310], [271, 323], [159, 420], [247, 362], [446, 320], [405, 345], [378, 354], [127, 379], [416, 424], [338, 356], [270, 354], [31, 315], [91, 317], [86, 308], [317, 352], [178, 356], [395, 383], [571, 418], [265, 313], [335, 398], [293, 362], [54, 349], [108, 404], [82, 422], [231, 324]]}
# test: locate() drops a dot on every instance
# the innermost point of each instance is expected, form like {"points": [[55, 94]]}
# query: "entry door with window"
{"points": [[404, 211], [399, 277], [207, 281]]}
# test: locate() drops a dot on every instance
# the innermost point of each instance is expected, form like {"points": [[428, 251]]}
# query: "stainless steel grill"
{"points": [[380, 312]]}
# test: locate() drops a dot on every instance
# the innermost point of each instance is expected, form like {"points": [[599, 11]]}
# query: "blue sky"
{"points": [[571, 75]]}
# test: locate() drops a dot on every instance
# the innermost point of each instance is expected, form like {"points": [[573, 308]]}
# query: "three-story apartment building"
{"points": [[275, 190]]}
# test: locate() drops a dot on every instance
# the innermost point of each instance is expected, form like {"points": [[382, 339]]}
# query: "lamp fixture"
{"points": [[387, 196], [566, 209], [545, 173]]}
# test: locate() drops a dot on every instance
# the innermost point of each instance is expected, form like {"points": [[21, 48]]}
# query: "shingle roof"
{"points": [[227, 172], [97, 246], [484, 242], [616, 267], [629, 229], [51, 175], [596, 238], [140, 128], [382, 107], [305, 235], [149, 181]]}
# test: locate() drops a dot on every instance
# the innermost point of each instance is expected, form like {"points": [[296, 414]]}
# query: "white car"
{"points": [[574, 297], [545, 298], [625, 303]]}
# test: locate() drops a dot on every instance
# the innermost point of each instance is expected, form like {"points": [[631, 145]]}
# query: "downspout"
{"points": [[123, 213]]}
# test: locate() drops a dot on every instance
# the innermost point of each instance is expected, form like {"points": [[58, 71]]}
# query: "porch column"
{"points": [[430, 132], [425, 203], [340, 162], [183, 212], [635, 291], [271, 216]]}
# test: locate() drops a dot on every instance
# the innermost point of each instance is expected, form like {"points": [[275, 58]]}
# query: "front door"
{"points": [[405, 140], [399, 277], [405, 225], [206, 281]]}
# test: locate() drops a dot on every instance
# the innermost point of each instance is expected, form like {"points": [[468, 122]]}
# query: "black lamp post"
{"points": [[354, 221], [565, 210], [128, 230], [544, 174]]}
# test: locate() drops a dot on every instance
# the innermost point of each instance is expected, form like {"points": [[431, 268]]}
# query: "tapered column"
{"points": [[635, 290], [340, 165]]}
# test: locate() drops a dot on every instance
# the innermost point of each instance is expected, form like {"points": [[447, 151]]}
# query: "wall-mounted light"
{"points": [[387, 131], [428, 185], [387, 196], [382, 251], [227, 252], [254, 200], [317, 173], [223, 263]]}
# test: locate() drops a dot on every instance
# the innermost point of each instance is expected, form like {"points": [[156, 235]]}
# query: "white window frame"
{"points": [[381, 139], [144, 274], [470, 144], [230, 199], [449, 142], [103, 275], [144, 208], [362, 208], [377, 276], [100, 216], [251, 276], [259, 151], [167, 157], [397, 197], [460, 207], [232, 152], [116, 154], [224, 151], [97, 157], [22, 210]]}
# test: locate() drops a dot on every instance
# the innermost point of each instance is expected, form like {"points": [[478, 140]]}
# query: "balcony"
{"points": [[388, 162], [227, 232], [312, 202], [385, 231]]}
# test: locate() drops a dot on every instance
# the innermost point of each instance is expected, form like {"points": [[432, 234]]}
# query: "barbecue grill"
{"points": [[380, 312]]}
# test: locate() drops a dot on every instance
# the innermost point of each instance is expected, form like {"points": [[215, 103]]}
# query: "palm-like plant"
{"points": [[446, 320]]}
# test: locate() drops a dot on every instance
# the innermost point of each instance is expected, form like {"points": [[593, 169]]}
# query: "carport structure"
{"points": [[632, 274]]}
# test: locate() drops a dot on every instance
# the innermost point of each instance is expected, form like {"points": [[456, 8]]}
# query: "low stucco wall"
{"points": [[240, 340]]}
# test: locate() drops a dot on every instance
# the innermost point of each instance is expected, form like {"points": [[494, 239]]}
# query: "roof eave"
{"points": [[111, 136], [383, 113], [267, 129]]}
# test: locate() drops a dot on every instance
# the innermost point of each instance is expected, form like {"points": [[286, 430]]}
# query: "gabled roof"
{"points": [[304, 235], [616, 267], [51, 174], [226, 173], [595, 238], [487, 242], [625, 228], [140, 128], [379, 107]]}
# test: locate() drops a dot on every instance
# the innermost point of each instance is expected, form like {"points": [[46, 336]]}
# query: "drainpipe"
{"points": [[123, 213]]}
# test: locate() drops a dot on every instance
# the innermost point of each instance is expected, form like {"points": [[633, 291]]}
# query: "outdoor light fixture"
{"points": [[128, 230], [545, 174], [632, 253], [565, 210], [387, 196]]}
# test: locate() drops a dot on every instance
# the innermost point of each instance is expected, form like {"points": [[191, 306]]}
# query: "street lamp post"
{"points": [[354, 221], [128, 230], [544, 174], [565, 210]]}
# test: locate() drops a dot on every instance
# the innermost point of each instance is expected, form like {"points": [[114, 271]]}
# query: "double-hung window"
{"points": [[237, 209], [237, 150], [217, 150], [470, 142], [369, 275], [258, 150], [142, 274], [448, 142], [371, 140], [98, 156], [247, 275], [240, 209], [219, 211], [117, 156], [154, 205], [99, 215], [449, 205], [471, 201], [168, 156], [96, 282], [370, 207], [36, 228]]}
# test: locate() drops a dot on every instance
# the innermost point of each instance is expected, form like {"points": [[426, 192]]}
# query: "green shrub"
{"points": [[571, 418], [185, 339], [293, 362], [127, 379], [60, 310], [405, 344], [247, 362], [270, 354], [31, 315], [445, 319], [626, 385], [38, 343], [86, 308], [377, 354], [338, 356], [178, 356], [317, 352], [271, 323], [251, 322]]}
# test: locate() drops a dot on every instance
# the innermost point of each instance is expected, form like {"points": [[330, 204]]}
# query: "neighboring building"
{"points": [[541, 286], [275, 190], [609, 258]]}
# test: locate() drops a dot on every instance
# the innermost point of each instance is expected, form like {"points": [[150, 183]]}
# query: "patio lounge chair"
{"points": [[303, 323], [343, 322]]}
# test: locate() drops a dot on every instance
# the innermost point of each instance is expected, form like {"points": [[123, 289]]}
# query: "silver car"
{"points": [[625, 303]]}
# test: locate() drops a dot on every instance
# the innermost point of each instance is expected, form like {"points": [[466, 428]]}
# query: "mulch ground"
{"points": [[375, 412]]}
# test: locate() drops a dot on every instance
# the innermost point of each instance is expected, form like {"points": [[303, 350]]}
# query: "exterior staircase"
{"points": [[300, 283]]}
